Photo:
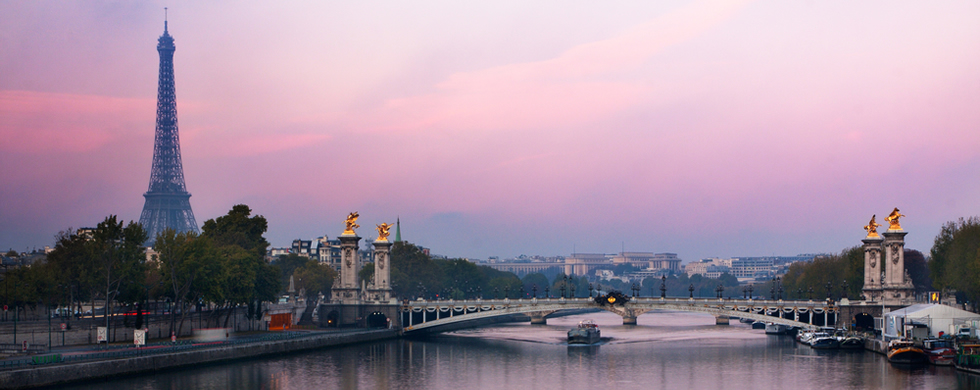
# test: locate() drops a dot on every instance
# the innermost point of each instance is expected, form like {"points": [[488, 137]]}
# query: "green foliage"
{"points": [[366, 274], [287, 264], [533, 280], [315, 278], [918, 268], [120, 259], [802, 276], [955, 258], [12, 253], [236, 228]]}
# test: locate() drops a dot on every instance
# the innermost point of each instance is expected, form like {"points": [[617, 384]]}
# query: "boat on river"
{"points": [[772, 328], [823, 340], [939, 351], [968, 358], [587, 332], [851, 342], [905, 352]]}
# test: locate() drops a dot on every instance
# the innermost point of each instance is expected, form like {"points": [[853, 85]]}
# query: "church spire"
{"points": [[398, 229]]}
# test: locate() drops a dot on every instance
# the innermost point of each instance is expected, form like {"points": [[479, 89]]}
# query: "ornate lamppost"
{"points": [[843, 290], [663, 286], [571, 290], [691, 290], [828, 290], [719, 291], [779, 282], [547, 292], [534, 289], [564, 286], [751, 288]]}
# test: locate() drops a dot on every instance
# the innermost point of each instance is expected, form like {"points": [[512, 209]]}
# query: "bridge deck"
{"points": [[453, 311]]}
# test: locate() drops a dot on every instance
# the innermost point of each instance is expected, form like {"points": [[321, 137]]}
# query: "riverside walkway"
{"points": [[71, 364]]}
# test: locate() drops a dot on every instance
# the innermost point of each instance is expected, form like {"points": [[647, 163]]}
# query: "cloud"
{"points": [[40, 122], [584, 83]]}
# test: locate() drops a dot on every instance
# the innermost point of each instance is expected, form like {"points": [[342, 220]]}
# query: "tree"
{"points": [[533, 280], [236, 228], [74, 267], [187, 263], [246, 278], [315, 279], [120, 256], [287, 264], [918, 268], [412, 271], [955, 258]]}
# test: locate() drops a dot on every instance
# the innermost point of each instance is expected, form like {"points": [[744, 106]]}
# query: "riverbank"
{"points": [[61, 373]]}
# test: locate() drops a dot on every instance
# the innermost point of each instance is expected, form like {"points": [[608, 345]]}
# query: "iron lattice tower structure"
{"points": [[167, 200]]}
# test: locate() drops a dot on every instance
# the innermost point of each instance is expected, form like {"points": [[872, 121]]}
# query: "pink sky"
{"points": [[504, 128]]}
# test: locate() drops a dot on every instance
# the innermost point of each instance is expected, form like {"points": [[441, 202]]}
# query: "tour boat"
{"points": [[940, 352], [905, 352], [823, 340], [852, 342], [772, 328], [968, 358], [587, 332]]}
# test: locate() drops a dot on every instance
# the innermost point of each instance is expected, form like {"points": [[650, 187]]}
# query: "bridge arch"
{"points": [[424, 315]]}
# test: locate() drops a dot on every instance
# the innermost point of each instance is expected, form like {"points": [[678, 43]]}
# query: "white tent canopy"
{"points": [[937, 317]]}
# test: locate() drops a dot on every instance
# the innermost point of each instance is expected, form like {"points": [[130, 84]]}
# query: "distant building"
{"points": [[709, 268], [328, 252], [649, 260], [301, 247], [581, 264]]}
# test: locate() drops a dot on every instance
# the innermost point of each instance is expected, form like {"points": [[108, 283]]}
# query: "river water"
{"points": [[665, 350]]}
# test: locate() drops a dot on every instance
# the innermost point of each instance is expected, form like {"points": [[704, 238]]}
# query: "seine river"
{"points": [[666, 350]]}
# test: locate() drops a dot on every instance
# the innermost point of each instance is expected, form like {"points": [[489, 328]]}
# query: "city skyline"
{"points": [[707, 129]]}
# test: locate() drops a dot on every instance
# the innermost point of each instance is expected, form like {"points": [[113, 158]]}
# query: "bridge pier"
{"points": [[537, 318], [721, 320], [627, 320]]}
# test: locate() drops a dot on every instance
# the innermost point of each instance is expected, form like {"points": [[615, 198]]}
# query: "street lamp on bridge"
{"points": [[691, 290], [719, 291], [663, 286]]}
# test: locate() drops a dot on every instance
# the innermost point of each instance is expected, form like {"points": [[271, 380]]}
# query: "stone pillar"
{"points": [[895, 255], [537, 318], [345, 289], [721, 320], [382, 269], [348, 261], [872, 267]]}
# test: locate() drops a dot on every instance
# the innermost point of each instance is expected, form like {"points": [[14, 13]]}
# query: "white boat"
{"points": [[772, 328]]}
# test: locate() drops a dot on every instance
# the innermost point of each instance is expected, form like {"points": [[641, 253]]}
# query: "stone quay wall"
{"points": [[55, 374], [83, 331]]}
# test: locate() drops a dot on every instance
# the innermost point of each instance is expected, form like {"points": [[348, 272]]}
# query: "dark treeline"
{"points": [[221, 268], [955, 259]]}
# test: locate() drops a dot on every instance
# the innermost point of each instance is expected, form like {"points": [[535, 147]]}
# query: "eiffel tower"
{"points": [[167, 200]]}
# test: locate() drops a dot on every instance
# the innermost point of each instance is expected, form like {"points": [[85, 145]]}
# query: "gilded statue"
{"points": [[872, 227], [893, 220], [351, 223], [383, 231]]}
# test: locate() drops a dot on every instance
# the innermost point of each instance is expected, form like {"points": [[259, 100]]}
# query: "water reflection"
{"points": [[666, 350]]}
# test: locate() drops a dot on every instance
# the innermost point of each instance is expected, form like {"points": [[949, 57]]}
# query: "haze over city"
{"points": [[504, 128]]}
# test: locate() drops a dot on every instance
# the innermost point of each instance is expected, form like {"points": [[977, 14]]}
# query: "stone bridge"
{"points": [[422, 315]]}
